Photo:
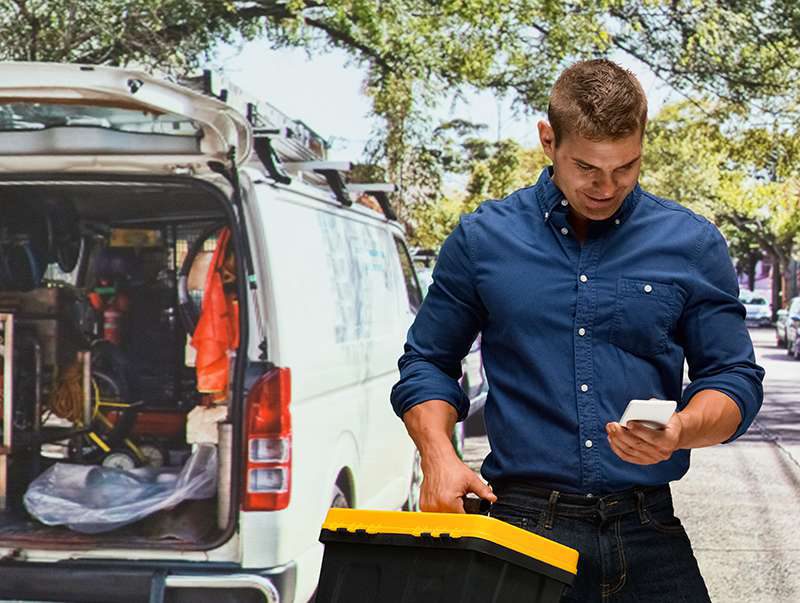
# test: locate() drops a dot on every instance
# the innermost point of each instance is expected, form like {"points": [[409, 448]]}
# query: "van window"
{"points": [[43, 115], [412, 285]]}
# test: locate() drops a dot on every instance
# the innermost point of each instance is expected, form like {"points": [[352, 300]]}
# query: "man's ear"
{"points": [[547, 137]]}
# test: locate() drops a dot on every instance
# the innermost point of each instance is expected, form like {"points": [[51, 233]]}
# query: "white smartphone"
{"points": [[652, 413]]}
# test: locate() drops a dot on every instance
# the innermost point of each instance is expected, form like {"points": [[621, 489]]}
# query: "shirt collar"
{"points": [[550, 196]]}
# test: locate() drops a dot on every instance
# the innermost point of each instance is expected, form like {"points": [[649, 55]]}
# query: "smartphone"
{"points": [[652, 413]]}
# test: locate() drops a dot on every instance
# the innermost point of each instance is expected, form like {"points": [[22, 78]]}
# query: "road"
{"points": [[740, 502]]}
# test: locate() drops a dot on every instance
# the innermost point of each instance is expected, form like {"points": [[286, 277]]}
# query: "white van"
{"points": [[109, 181]]}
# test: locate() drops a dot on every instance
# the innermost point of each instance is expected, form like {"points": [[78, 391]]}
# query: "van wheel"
{"points": [[412, 502], [339, 501]]}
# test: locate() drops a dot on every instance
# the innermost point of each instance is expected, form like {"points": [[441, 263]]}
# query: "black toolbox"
{"points": [[396, 557]]}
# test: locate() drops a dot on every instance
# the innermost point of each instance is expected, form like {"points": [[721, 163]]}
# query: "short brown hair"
{"points": [[598, 100]]}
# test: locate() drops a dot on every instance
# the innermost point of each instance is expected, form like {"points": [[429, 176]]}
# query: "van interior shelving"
{"points": [[134, 236]]}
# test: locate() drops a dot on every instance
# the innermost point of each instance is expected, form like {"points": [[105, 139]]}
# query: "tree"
{"points": [[507, 167], [492, 170], [747, 180], [417, 52], [167, 34], [742, 52]]}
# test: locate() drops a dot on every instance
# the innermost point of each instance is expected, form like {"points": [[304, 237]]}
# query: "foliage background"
{"points": [[729, 150]]}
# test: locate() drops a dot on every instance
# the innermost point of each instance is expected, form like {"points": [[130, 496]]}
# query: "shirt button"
{"points": [[564, 202], [546, 215], [584, 278], [564, 231], [616, 221], [581, 331], [648, 288], [588, 443], [584, 388]]}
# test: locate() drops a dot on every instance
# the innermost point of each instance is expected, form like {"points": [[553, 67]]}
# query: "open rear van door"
{"points": [[64, 117]]}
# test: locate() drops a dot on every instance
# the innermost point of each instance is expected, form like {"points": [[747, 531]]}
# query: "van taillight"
{"points": [[268, 462]]}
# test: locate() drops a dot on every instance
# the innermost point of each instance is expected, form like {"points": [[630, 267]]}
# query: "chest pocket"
{"points": [[644, 316]]}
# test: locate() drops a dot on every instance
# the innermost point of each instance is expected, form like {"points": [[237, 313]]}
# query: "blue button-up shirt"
{"points": [[571, 332]]}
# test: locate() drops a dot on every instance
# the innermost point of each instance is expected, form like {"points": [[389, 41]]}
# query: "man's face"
{"points": [[595, 177]]}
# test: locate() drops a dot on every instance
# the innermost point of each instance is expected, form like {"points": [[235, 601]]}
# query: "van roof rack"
{"points": [[293, 137], [332, 171], [282, 143], [379, 190], [423, 256]]}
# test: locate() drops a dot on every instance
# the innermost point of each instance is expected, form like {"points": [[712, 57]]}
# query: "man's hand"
{"points": [[445, 478], [445, 482], [644, 446]]}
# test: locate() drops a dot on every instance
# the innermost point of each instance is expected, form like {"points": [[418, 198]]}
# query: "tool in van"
{"points": [[217, 330], [34, 235]]}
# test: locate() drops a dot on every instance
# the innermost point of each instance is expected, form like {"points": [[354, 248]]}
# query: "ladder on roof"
{"points": [[289, 148]]}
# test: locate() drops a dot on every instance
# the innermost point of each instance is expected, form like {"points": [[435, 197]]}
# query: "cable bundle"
{"points": [[66, 400]]}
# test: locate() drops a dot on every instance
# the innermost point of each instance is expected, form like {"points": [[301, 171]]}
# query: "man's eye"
{"points": [[585, 168]]}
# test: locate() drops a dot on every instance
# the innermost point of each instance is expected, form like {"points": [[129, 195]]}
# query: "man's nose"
{"points": [[604, 184]]}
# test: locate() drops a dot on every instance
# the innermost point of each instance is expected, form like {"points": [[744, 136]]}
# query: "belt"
{"points": [[587, 500], [635, 499]]}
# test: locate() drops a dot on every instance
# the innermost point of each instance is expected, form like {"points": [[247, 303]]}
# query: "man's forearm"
{"points": [[710, 417], [447, 480], [430, 425]]}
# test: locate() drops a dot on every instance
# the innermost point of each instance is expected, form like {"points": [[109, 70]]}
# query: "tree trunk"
{"points": [[777, 297], [791, 284]]}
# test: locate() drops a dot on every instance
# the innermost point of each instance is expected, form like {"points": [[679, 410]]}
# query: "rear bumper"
{"points": [[113, 582]]}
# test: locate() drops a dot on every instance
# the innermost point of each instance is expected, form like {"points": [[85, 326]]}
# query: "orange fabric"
{"points": [[217, 329]]}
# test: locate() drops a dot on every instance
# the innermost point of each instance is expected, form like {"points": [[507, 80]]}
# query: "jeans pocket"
{"points": [[520, 517], [662, 519]]}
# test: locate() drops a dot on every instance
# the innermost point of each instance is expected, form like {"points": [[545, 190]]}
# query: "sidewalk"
{"points": [[741, 507]]}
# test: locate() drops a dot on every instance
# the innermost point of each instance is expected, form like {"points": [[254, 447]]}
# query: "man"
{"points": [[588, 292]]}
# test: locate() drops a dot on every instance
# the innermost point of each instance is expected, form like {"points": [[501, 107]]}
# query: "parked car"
{"points": [[105, 167], [781, 324], [793, 329], [780, 327], [424, 261], [759, 311]]}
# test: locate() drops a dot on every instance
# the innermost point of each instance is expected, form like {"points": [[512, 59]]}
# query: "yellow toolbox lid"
{"points": [[455, 525]]}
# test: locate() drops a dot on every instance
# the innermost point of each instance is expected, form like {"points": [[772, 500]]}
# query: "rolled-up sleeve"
{"points": [[448, 322], [718, 348]]}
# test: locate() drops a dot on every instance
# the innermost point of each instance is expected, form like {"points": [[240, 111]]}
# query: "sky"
{"points": [[325, 91]]}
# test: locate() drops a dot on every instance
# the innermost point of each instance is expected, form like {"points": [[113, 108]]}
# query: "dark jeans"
{"points": [[632, 547]]}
